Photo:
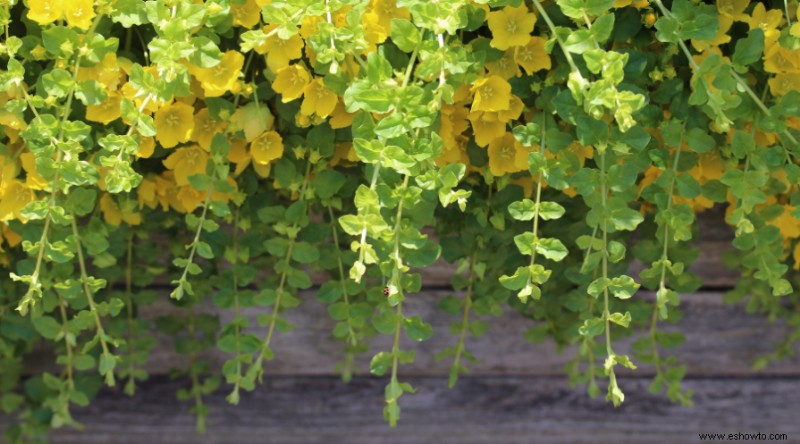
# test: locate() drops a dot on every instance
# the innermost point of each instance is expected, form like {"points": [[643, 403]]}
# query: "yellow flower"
{"points": [[505, 67], [318, 99], [107, 111], [789, 226], [205, 127], [344, 155], [186, 162], [246, 14], [638, 4], [114, 215], [33, 179], [486, 127], [733, 9], [386, 10], [340, 118], [507, 155], [511, 27], [768, 21], [45, 11], [279, 52], [491, 94], [110, 72], [146, 193], [238, 155], [533, 57], [778, 59], [796, 256], [146, 147], [79, 13], [514, 110], [222, 77], [290, 82], [189, 199], [782, 83], [266, 148], [15, 196], [174, 124]]}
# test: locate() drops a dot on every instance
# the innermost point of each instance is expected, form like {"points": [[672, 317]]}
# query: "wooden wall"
{"points": [[518, 394]]}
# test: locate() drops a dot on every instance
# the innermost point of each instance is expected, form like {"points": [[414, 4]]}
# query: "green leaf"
{"points": [[748, 50], [699, 140], [516, 281], [380, 363], [522, 210], [551, 248], [405, 35], [620, 319], [416, 329]]}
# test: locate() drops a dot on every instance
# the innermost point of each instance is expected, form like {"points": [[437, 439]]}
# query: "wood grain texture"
{"points": [[721, 340], [509, 410]]}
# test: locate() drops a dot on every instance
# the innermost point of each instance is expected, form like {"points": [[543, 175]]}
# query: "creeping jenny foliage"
{"points": [[240, 152]]}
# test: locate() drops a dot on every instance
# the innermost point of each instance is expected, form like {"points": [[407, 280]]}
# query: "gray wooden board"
{"points": [[490, 410], [721, 340]]}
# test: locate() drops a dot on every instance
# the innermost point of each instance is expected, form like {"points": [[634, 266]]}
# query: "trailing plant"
{"points": [[227, 159]]}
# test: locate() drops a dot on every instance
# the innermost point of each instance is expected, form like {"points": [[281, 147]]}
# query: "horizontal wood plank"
{"points": [[721, 340], [510, 410]]}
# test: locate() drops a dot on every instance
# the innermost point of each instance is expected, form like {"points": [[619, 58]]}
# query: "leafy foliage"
{"points": [[233, 149]]}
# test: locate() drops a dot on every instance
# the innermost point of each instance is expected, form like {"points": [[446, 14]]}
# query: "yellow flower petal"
{"points": [[507, 155], [44, 12], [290, 82], [318, 99], [511, 27], [186, 162], [79, 13], [491, 94], [174, 124], [266, 148]]}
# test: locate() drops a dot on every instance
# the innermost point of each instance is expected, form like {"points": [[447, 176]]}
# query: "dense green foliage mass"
{"points": [[260, 143]]}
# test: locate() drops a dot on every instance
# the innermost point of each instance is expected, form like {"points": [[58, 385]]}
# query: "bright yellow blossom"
{"points": [[789, 226], [280, 52], [491, 94], [205, 128], [782, 83], [187, 162], [533, 57], [511, 27], [290, 82], [246, 14], [146, 195], [14, 197], [778, 59], [733, 9], [33, 179], [79, 13], [505, 67], [174, 124], [266, 148], [44, 12], [222, 77], [768, 21], [105, 112], [486, 127], [507, 155], [340, 118], [238, 155], [146, 147], [317, 99]]}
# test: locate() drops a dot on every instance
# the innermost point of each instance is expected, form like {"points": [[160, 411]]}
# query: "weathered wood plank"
{"points": [[478, 410], [720, 340]]}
